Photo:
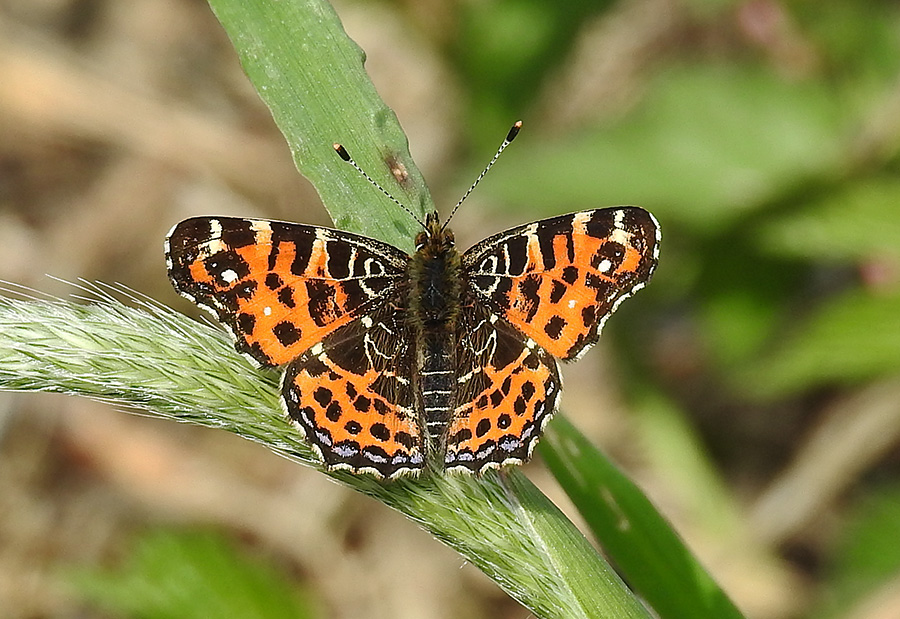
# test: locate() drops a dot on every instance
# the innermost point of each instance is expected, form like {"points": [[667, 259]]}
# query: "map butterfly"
{"points": [[396, 363]]}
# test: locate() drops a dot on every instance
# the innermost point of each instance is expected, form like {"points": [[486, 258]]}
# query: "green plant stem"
{"points": [[170, 366]]}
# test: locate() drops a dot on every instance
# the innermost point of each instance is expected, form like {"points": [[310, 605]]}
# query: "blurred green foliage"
{"points": [[171, 574], [503, 50], [863, 561]]}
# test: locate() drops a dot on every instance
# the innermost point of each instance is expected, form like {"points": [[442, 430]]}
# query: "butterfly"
{"points": [[397, 363]]}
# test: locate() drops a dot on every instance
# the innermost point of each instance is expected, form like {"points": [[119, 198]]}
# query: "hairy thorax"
{"points": [[435, 282]]}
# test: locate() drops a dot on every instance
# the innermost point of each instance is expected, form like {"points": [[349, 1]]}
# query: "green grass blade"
{"points": [[636, 537], [311, 75], [170, 366]]}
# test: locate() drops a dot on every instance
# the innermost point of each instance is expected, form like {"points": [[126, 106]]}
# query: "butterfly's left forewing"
{"points": [[280, 287]]}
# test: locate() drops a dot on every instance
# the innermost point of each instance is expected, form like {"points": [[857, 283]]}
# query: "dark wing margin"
{"points": [[280, 287]]}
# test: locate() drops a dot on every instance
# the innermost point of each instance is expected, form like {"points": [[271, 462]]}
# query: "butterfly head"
{"points": [[435, 238]]}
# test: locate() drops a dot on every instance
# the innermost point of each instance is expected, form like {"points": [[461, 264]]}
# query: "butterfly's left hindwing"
{"points": [[353, 398]]}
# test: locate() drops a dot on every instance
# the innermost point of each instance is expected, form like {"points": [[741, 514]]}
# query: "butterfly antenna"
{"points": [[513, 132], [342, 152]]}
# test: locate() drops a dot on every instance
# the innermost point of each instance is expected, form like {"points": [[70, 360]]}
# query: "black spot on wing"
{"points": [[353, 427], [520, 407], [589, 315], [546, 237], [333, 411], [528, 289], [338, 259], [554, 327], [570, 274], [380, 431], [557, 291], [517, 249], [322, 396], [405, 439], [496, 399], [612, 251], [321, 301], [246, 322], [483, 427], [245, 290], [220, 263], [528, 390], [274, 281], [601, 223], [237, 232], [287, 333], [286, 297], [303, 245]]}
